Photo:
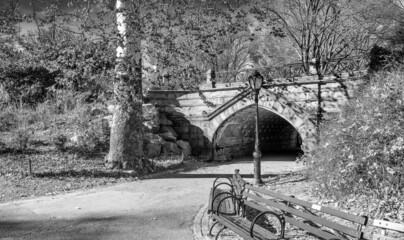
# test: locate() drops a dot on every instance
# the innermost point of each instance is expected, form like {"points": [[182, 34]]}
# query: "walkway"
{"points": [[160, 208]]}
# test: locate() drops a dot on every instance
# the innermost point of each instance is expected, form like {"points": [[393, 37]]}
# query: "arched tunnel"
{"points": [[235, 136]]}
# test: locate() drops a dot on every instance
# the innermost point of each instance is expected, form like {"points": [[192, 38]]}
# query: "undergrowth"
{"points": [[361, 157]]}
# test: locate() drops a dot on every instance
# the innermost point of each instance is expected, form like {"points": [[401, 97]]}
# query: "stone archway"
{"points": [[278, 106], [235, 136]]}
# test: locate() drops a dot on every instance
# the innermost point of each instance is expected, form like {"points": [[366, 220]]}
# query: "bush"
{"points": [[362, 151], [93, 133], [8, 120], [382, 58], [27, 84], [21, 139]]}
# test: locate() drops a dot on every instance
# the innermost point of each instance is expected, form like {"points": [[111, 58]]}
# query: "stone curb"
{"points": [[199, 223], [159, 174]]}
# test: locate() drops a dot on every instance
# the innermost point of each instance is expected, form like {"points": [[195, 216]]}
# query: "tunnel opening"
{"points": [[235, 136]]}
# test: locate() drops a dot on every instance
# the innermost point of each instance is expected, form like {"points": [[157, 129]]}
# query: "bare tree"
{"points": [[321, 30]]}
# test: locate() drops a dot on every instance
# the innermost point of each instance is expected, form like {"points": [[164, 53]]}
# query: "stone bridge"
{"points": [[219, 121]]}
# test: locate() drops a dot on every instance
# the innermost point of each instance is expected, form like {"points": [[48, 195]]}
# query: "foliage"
{"points": [[60, 142], [362, 150], [92, 133], [384, 58], [9, 17], [21, 139], [27, 85]]}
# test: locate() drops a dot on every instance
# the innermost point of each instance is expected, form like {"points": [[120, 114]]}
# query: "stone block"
{"points": [[288, 113], [168, 136], [185, 147], [169, 129], [152, 138], [278, 107], [151, 126], [170, 148], [152, 150], [150, 112], [297, 122], [164, 121]]}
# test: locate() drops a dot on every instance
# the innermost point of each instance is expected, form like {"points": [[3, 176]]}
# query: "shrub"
{"points": [[27, 84], [362, 150], [93, 133], [60, 142], [8, 120], [96, 137], [21, 139]]}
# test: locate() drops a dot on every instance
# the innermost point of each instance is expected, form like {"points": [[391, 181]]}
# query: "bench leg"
{"points": [[211, 228], [218, 233]]}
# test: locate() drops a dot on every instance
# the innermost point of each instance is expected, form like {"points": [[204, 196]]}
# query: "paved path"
{"points": [[160, 208]]}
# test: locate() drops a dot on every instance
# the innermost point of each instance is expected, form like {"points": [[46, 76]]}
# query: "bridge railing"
{"points": [[287, 71]]}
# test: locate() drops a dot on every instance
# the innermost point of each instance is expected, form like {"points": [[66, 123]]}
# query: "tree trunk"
{"points": [[126, 144]]}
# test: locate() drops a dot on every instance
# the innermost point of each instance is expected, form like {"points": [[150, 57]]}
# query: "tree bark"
{"points": [[126, 143]]}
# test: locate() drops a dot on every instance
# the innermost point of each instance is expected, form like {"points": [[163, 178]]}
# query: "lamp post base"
{"points": [[257, 167], [258, 181]]}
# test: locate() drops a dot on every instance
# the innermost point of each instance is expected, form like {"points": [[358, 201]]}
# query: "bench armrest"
{"points": [[228, 179], [223, 183], [279, 217]]}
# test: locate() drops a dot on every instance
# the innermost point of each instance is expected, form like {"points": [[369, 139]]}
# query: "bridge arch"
{"points": [[234, 126]]}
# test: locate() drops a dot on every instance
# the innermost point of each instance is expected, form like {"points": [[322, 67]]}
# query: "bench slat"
{"points": [[331, 211], [315, 231], [381, 237], [388, 225], [232, 226], [237, 222], [347, 230], [259, 231]]}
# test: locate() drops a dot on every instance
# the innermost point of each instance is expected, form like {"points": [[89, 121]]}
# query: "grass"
{"points": [[57, 172], [33, 136]]}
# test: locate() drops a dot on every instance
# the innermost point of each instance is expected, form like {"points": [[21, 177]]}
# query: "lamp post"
{"points": [[255, 81]]}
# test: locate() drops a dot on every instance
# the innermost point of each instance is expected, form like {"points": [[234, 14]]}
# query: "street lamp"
{"points": [[255, 81]]}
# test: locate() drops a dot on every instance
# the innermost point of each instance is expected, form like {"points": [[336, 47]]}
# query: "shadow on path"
{"points": [[83, 228]]}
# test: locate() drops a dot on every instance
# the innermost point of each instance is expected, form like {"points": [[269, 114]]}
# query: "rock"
{"points": [[152, 144], [151, 126], [151, 119], [152, 149], [165, 129], [152, 138], [168, 136], [185, 147], [171, 148], [168, 133], [164, 121], [150, 112]]}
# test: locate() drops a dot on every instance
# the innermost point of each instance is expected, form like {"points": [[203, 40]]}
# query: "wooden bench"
{"points": [[384, 226], [228, 209], [260, 206]]}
